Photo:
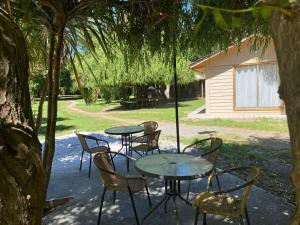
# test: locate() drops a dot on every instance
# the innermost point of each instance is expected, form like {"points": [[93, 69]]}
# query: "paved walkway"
{"points": [[265, 138], [66, 180]]}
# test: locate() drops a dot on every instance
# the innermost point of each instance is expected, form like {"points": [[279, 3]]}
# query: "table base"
{"points": [[125, 143], [171, 192]]}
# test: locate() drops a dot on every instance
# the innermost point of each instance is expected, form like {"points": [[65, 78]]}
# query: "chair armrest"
{"points": [[95, 139], [136, 178], [236, 188], [197, 142], [121, 154], [140, 137]]}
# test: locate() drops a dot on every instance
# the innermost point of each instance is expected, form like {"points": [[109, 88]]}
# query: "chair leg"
{"points": [[247, 216], [218, 182], [204, 219], [188, 191], [81, 160], [101, 205], [241, 220], [90, 165], [149, 200], [196, 216], [112, 161], [166, 185], [133, 206], [158, 150], [114, 197]]}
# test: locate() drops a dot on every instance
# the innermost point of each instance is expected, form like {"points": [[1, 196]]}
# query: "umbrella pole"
{"points": [[176, 98]]}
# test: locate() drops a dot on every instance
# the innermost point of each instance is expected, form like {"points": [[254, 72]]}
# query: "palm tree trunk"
{"points": [[50, 91], [287, 45], [52, 113]]}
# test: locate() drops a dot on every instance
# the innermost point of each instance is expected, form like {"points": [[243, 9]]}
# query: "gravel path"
{"points": [[265, 138]]}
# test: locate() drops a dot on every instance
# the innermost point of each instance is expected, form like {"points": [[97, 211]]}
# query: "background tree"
{"points": [[287, 46]]}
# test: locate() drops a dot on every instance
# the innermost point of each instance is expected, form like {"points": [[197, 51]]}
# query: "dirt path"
{"points": [[266, 138]]}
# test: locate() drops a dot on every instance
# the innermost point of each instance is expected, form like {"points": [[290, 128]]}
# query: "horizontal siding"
{"points": [[221, 91]]}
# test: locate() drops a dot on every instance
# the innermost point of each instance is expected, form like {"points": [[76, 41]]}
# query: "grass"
{"points": [[166, 112], [99, 106], [258, 124], [67, 121], [162, 112]]}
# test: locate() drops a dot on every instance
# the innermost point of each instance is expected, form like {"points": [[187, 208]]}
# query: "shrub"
{"points": [[90, 95]]}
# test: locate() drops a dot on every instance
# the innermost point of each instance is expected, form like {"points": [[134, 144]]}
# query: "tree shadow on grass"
{"points": [[59, 119], [164, 105], [58, 128]]}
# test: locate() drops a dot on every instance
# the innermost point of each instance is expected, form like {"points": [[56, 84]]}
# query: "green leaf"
{"points": [[265, 12], [199, 24], [220, 20], [236, 22], [256, 12]]}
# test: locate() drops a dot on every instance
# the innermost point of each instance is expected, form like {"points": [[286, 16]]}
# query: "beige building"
{"points": [[241, 83]]}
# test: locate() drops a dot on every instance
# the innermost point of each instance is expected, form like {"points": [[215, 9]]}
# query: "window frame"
{"points": [[235, 108]]}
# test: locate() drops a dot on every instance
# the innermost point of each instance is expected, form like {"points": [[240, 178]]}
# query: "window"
{"points": [[256, 86]]}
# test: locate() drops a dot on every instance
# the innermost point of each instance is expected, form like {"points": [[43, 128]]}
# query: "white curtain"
{"points": [[246, 86], [268, 83]]}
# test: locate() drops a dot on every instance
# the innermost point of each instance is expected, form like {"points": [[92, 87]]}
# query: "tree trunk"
{"points": [[22, 178], [39, 118], [50, 94], [287, 44], [52, 114], [167, 91]]}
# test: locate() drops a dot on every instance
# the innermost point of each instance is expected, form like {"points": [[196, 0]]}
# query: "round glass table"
{"points": [[124, 130], [126, 136], [173, 168]]}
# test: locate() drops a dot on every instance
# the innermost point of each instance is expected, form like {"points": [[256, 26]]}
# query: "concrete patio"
{"points": [[66, 180]]}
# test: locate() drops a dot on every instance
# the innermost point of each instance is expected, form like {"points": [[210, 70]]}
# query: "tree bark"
{"points": [[52, 114], [286, 39], [22, 182], [39, 118]]}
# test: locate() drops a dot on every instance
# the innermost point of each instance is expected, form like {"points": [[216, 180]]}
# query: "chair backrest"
{"points": [[103, 162], [149, 126], [153, 138], [213, 153], [83, 143], [209, 147], [253, 174]]}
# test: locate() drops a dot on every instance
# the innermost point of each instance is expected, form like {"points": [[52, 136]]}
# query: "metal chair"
{"points": [[213, 146], [224, 204], [150, 144], [85, 147], [113, 181], [149, 127]]}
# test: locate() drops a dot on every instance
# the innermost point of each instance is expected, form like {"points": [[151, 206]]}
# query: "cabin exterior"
{"points": [[241, 83]]}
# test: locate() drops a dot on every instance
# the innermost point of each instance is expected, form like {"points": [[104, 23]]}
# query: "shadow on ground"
{"points": [[66, 180]]}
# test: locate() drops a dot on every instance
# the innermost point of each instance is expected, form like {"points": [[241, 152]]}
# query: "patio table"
{"points": [[126, 136], [172, 167]]}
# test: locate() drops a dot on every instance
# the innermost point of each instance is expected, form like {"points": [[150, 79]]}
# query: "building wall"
{"points": [[219, 82]]}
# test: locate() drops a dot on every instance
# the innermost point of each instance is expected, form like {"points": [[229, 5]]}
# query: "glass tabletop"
{"points": [[173, 166], [124, 130]]}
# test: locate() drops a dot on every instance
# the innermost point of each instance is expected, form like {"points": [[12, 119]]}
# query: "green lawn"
{"points": [[68, 121], [99, 106], [258, 124], [162, 112]]}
